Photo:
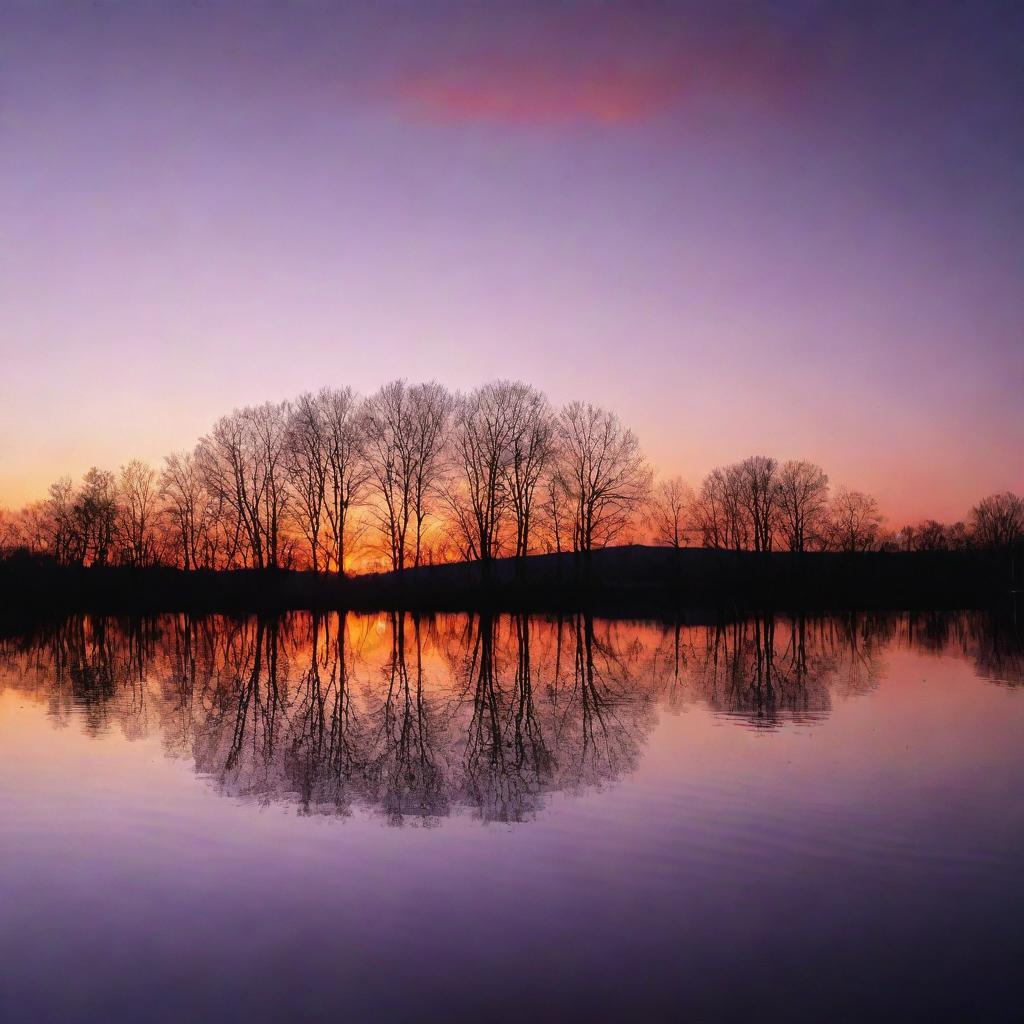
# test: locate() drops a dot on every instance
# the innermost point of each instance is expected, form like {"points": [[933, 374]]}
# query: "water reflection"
{"points": [[418, 717]]}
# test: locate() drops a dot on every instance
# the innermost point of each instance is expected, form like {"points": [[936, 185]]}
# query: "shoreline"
{"points": [[616, 580]]}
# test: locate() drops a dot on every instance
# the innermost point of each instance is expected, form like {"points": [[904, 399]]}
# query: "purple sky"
{"points": [[786, 228]]}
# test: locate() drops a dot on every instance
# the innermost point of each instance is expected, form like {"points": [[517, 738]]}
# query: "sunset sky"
{"points": [[791, 228]]}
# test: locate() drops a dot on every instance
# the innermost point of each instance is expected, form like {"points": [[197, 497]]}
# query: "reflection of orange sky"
{"points": [[926, 717], [844, 656]]}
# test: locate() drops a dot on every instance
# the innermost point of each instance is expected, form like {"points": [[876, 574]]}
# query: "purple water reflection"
{"points": [[462, 818]]}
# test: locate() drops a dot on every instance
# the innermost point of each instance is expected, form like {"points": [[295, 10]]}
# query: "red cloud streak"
{"points": [[610, 92]]}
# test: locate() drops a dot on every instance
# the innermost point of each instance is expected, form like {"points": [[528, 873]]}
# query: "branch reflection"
{"points": [[417, 717]]}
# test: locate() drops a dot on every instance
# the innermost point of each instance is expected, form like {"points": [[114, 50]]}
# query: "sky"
{"points": [[784, 228]]}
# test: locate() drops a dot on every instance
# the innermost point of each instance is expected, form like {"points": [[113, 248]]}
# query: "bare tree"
{"points": [[501, 443], [307, 468], [387, 453], [481, 451], [709, 510], [431, 407], [9, 533], [95, 516], [855, 521], [998, 520], [243, 464], [347, 471], [403, 432], [326, 471], [718, 510], [195, 521], [957, 537], [932, 535], [602, 472], [63, 539], [802, 500], [223, 460], [532, 450], [138, 513], [32, 525], [179, 493], [669, 512], [555, 513], [268, 424], [759, 497]]}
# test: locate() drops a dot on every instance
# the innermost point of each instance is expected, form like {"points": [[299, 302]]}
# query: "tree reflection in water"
{"points": [[415, 717]]}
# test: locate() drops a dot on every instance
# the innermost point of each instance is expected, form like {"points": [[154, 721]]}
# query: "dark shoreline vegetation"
{"points": [[617, 581], [416, 477]]}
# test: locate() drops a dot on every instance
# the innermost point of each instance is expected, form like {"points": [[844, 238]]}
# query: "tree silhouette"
{"points": [[602, 473], [802, 502], [671, 505], [439, 476], [855, 521]]}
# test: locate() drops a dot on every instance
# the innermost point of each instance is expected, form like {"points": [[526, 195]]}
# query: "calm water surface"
{"points": [[463, 818]]}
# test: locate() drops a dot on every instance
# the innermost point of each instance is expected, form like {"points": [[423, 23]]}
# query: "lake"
{"points": [[388, 817]]}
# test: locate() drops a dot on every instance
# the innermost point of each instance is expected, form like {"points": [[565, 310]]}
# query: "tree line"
{"points": [[415, 474]]}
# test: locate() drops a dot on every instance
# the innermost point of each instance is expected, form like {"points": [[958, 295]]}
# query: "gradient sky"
{"points": [[792, 228]]}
